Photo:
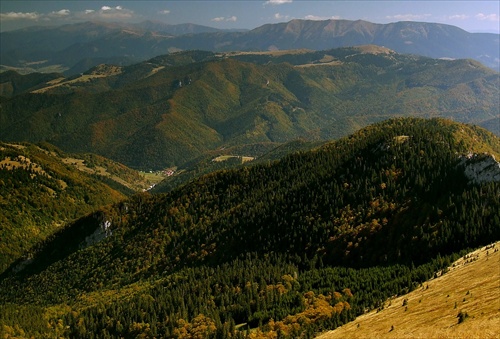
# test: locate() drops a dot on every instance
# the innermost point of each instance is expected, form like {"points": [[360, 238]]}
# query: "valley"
{"points": [[315, 178]]}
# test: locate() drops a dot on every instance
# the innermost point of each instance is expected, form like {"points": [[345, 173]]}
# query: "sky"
{"points": [[472, 16]]}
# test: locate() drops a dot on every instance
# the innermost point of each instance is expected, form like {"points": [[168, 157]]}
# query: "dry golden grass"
{"points": [[101, 71], [154, 71], [55, 81], [226, 157], [472, 286], [374, 49], [16, 146], [273, 53], [22, 162], [320, 63], [99, 170]]}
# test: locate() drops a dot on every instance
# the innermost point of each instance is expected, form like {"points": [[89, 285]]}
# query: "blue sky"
{"points": [[473, 16]]}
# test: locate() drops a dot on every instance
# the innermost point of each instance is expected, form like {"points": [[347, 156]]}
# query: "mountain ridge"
{"points": [[185, 104], [95, 43]]}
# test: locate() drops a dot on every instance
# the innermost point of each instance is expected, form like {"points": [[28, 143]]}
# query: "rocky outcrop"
{"points": [[480, 168], [102, 232]]}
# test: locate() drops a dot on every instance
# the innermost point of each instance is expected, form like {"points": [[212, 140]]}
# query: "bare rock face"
{"points": [[480, 168], [101, 233]]}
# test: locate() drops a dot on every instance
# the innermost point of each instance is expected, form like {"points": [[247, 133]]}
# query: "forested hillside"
{"points": [[42, 188], [179, 107], [233, 157], [283, 248]]}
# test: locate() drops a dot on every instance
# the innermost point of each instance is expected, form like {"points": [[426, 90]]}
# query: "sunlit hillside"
{"points": [[462, 303]]}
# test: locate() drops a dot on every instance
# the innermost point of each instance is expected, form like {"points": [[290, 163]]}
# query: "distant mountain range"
{"points": [[171, 109], [75, 48]]}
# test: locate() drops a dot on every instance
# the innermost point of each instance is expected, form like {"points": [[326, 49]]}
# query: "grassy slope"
{"points": [[472, 284], [110, 171]]}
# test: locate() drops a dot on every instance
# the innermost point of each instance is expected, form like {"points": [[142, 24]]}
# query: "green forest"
{"points": [[42, 188], [277, 249], [173, 109]]}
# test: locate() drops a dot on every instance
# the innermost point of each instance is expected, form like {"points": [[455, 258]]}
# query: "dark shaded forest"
{"points": [[279, 249]]}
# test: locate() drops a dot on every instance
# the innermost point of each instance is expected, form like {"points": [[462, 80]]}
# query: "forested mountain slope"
{"points": [[232, 157], [289, 247], [41, 189], [175, 108]]}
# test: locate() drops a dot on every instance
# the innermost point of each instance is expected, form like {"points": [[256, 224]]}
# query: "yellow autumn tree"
{"points": [[200, 327]]}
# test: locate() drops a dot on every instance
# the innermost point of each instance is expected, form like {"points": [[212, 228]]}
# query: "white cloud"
{"points": [[61, 13], [165, 11], [458, 17], [19, 16], [319, 18], [113, 13], [104, 13], [408, 17], [221, 18], [277, 2], [488, 17], [279, 16]]}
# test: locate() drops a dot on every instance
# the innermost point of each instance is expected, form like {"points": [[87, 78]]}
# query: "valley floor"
{"points": [[471, 286]]}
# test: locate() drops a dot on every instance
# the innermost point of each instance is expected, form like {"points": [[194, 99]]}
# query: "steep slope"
{"points": [[462, 303], [42, 189], [294, 246], [173, 109]]}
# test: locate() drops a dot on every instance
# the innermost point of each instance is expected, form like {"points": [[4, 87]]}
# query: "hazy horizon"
{"points": [[472, 16]]}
